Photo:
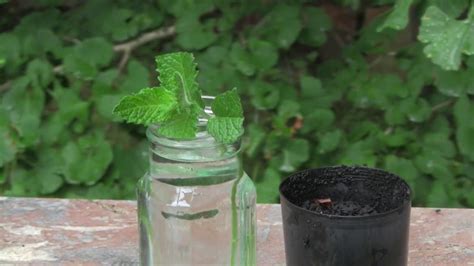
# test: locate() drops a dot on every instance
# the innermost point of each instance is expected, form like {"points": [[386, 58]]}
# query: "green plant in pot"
{"points": [[195, 204]]}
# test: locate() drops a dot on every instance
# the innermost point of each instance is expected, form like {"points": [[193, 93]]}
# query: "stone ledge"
{"points": [[104, 232]]}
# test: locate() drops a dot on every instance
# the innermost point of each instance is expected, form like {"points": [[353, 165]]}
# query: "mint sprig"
{"points": [[177, 104]]}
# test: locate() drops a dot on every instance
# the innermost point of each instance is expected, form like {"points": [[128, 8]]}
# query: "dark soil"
{"points": [[346, 191]]}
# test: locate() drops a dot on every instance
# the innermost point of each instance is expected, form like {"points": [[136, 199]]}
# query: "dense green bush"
{"points": [[323, 83]]}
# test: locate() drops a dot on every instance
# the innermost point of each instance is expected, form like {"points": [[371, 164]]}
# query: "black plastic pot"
{"points": [[324, 237]]}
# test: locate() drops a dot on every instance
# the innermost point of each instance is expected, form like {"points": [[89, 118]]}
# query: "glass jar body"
{"points": [[196, 206]]}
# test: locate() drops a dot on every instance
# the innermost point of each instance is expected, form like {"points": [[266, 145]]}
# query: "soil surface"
{"points": [[346, 191]]}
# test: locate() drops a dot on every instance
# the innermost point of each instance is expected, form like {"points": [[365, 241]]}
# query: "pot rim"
{"points": [[341, 217]]}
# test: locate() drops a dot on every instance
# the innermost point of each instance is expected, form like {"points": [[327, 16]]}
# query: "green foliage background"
{"points": [[322, 82]]}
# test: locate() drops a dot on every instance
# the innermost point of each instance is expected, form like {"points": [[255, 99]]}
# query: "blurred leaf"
{"points": [[435, 165], [446, 38], [40, 73], [453, 8], [453, 83], [281, 25], [310, 86], [255, 139], [85, 58], [105, 105], [295, 153], [242, 60], [259, 56], [394, 115], [49, 171], [267, 189], [23, 184], [463, 111], [319, 120], [136, 153], [398, 138], [264, 96], [25, 105], [70, 108], [438, 196], [404, 168], [264, 54], [359, 153], [104, 82], [137, 77], [316, 24], [10, 48], [418, 110], [397, 18], [192, 34], [440, 144], [465, 140], [329, 141], [86, 159], [8, 145], [286, 110]]}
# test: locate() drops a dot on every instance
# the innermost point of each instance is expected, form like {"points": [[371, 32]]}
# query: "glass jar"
{"points": [[196, 206]]}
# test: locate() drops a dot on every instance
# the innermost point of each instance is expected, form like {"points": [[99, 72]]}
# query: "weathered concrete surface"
{"points": [[81, 232]]}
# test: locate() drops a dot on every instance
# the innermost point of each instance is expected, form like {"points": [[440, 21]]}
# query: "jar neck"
{"points": [[202, 148]]}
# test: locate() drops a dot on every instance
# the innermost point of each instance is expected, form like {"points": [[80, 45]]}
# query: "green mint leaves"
{"points": [[226, 126], [150, 105], [177, 104]]}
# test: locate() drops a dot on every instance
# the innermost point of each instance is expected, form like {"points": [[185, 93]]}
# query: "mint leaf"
{"points": [[226, 126], [178, 73], [177, 104], [225, 129], [398, 17], [150, 105], [180, 126], [446, 38]]}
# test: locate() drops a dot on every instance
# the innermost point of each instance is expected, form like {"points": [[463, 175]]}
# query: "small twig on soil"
{"points": [[324, 202]]}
